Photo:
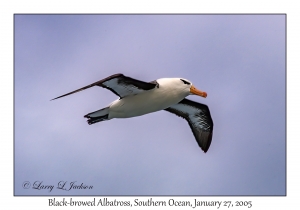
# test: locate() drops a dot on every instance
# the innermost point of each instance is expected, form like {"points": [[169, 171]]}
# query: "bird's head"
{"points": [[191, 89]]}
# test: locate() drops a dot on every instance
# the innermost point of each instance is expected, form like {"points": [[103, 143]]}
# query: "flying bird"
{"points": [[138, 98]]}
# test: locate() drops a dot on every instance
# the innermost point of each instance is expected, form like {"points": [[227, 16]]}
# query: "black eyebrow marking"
{"points": [[185, 82]]}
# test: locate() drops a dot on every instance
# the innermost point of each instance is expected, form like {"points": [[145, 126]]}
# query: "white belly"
{"points": [[144, 103]]}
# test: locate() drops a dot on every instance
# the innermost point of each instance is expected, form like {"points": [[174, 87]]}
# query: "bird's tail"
{"points": [[97, 116]]}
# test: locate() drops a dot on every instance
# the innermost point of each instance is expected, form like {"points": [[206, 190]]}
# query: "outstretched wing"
{"points": [[199, 119], [120, 85]]}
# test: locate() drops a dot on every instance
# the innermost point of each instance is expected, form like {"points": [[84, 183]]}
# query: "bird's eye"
{"points": [[185, 82]]}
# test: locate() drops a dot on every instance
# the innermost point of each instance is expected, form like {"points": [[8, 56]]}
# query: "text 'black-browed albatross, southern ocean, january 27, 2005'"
{"points": [[139, 98]]}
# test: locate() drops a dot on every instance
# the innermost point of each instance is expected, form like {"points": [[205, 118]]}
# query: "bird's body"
{"points": [[146, 102], [139, 98]]}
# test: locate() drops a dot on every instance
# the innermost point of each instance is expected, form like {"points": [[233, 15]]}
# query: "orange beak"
{"points": [[195, 91]]}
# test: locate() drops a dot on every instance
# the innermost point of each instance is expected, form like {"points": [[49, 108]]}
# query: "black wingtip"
{"points": [[56, 98], [53, 99], [209, 140]]}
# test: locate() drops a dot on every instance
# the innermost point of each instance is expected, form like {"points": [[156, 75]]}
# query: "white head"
{"points": [[190, 89], [181, 86]]}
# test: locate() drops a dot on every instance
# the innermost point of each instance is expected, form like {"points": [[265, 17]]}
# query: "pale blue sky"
{"points": [[239, 60]]}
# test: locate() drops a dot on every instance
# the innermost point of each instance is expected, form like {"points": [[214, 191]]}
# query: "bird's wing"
{"points": [[120, 85], [199, 119]]}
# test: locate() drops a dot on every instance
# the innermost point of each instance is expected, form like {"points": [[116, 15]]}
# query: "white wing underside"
{"points": [[199, 119]]}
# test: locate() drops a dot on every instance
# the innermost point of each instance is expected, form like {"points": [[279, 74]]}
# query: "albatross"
{"points": [[139, 98]]}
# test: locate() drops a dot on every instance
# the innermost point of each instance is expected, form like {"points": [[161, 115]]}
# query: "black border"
{"points": [[103, 196]]}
